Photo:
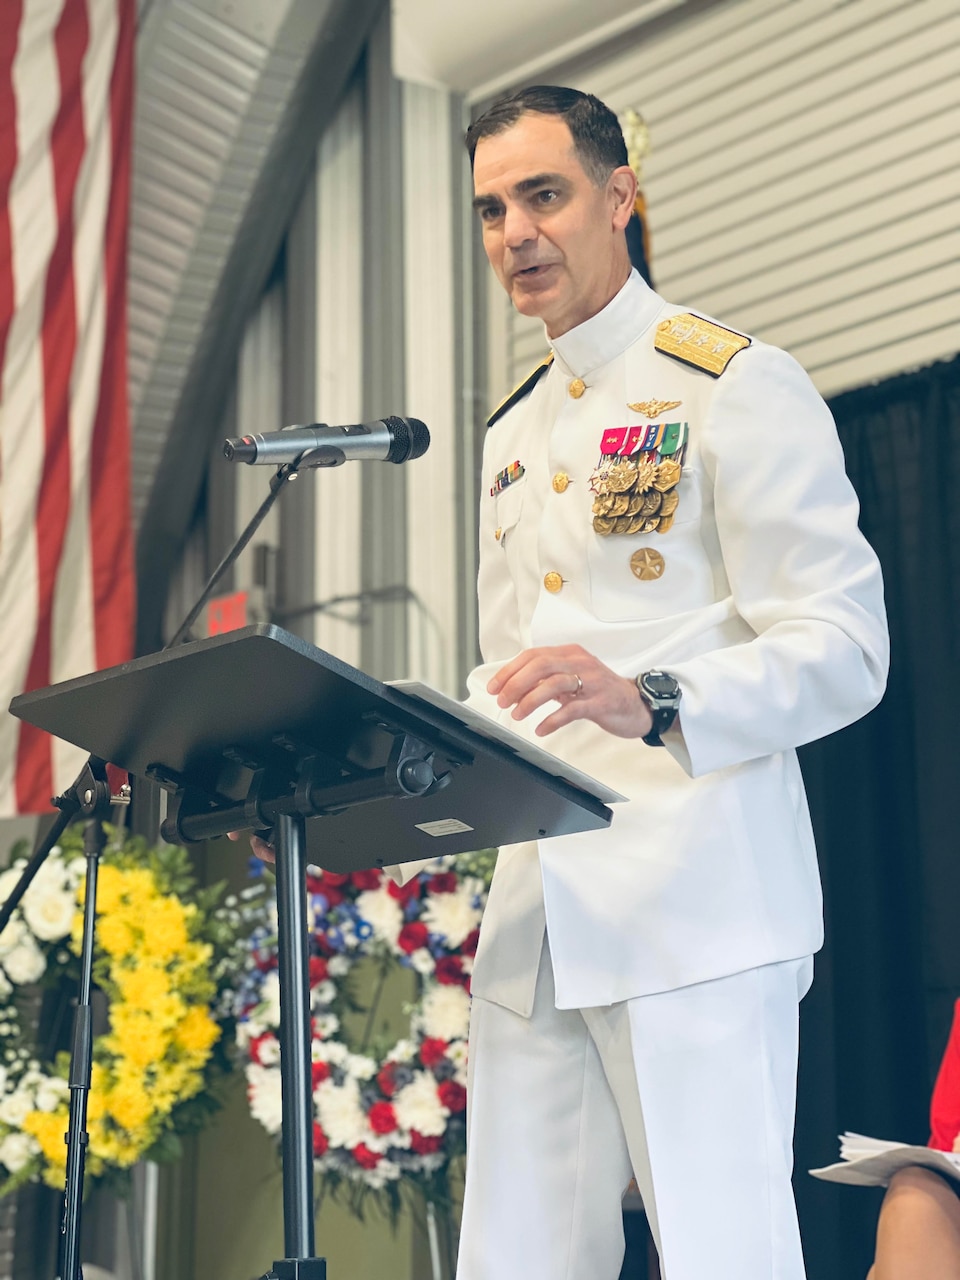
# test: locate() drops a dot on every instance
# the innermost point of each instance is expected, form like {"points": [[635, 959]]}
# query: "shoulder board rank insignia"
{"points": [[525, 387], [699, 342]]}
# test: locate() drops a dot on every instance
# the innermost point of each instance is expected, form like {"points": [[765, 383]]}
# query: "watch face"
{"points": [[660, 684]]}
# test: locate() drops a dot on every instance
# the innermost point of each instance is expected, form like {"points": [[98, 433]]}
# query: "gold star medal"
{"points": [[647, 565]]}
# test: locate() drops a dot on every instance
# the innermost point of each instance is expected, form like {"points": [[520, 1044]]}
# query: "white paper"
{"points": [[872, 1162]]}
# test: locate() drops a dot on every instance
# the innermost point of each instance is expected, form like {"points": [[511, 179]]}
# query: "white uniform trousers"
{"points": [[692, 1091]]}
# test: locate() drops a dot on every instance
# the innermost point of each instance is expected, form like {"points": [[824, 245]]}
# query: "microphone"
{"points": [[389, 440]]}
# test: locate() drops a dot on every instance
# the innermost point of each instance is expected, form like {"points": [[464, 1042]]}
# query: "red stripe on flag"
{"points": [[9, 32], [110, 524], [34, 775]]}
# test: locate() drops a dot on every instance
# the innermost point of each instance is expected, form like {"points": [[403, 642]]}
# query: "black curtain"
{"points": [[885, 798]]}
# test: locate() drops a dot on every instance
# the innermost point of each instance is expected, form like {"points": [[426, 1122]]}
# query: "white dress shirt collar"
{"points": [[606, 335]]}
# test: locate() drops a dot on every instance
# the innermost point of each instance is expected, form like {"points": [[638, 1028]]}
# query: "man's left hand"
{"points": [[585, 688]]}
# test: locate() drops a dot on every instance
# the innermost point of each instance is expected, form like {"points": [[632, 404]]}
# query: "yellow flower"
{"points": [[115, 937], [129, 1103], [197, 1032], [167, 935], [48, 1127], [98, 1089], [136, 1037], [142, 985]]}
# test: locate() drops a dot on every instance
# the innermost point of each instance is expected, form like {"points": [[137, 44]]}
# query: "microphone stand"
{"points": [[89, 794]]}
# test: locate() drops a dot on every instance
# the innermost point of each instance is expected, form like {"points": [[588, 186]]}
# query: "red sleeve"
{"points": [[945, 1104]]}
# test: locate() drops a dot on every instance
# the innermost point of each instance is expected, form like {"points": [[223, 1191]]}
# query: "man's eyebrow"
{"points": [[522, 188]]}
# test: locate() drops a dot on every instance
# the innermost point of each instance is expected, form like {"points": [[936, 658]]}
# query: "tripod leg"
{"points": [[81, 1063]]}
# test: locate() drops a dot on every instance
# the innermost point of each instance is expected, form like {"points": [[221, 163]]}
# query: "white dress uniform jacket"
{"points": [[769, 612]]}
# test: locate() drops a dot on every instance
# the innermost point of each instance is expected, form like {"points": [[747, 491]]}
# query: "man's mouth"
{"points": [[537, 269]]}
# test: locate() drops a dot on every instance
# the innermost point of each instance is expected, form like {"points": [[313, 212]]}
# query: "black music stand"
{"points": [[258, 729]]}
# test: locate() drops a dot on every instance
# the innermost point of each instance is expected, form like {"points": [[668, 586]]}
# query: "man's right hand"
{"points": [[265, 852]]}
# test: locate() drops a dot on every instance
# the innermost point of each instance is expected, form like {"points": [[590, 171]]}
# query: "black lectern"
{"points": [[258, 729]]}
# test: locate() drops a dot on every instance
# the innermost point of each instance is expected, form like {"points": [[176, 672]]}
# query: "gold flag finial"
{"points": [[637, 137]]}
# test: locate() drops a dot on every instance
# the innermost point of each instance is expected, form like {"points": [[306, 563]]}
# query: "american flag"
{"points": [[66, 571]]}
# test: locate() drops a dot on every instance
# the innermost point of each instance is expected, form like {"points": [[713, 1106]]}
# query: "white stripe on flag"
{"points": [[74, 650], [32, 210]]}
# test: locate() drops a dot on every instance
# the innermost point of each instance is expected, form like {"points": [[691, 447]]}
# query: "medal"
{"points": [[635, 481]]}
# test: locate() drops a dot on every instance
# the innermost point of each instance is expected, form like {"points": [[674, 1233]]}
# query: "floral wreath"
{"points": [[166, 956], [386, 1115]]}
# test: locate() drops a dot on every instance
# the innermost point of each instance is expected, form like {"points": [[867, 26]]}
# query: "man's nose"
{"points": [[518, 227]]}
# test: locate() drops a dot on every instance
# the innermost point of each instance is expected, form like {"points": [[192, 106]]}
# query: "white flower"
{"points": [[445, 1012], [25, 963], [334, 1052], [381, 911], [263, 1090], [453, 915], [13, 934], [341, 1116], [7, 881], [16, 1149], [49, 913], [403, 1051], [386, 1171], [338, 966], [15, 1107], [422, 961], [323, 993], [269, 1009], [328, 1024], [457, 1053], [76, 870], [51, 1091], [360, 1067], [417, 1106]]}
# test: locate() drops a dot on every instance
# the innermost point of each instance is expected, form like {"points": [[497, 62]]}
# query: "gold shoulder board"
{"points": [[527, 385], [699, 342]]}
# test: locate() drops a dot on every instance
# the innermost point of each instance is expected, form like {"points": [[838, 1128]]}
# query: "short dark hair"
{"points": [[597, 136]]}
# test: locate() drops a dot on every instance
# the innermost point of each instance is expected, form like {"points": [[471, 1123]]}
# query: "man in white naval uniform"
{"points": [[636, 991]]}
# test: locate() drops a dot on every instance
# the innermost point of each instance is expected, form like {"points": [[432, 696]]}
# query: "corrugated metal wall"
{"points": [[803, 182]]}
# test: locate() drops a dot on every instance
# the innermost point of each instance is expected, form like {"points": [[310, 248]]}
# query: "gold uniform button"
{"points": [[560, 482], [553, 582], [498, 534], [576, 388]]}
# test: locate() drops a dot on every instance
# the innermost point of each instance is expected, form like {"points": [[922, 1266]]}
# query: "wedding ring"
{"points": [[579, 689]]}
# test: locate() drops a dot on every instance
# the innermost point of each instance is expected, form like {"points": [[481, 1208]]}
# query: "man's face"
{"points": [[553, 237]]}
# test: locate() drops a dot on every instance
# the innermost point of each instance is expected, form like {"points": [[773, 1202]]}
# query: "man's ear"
{"points": [[622, 186]]}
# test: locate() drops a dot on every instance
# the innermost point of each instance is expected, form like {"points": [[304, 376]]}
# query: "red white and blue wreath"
{"points": [[385, 1115]]}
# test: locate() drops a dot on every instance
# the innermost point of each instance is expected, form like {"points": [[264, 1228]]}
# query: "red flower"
{"points": [[425, 1145], [320, 1143], [443, 882], [319, 1071], [385, 1079], [452, 1095], [432, 1051], [449, 971], [404, 892], [364, 1157], [367, 879], [329, 883], [413, 936], [318, 970], [255, 1044], [382, 1118], [469, 945]]}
